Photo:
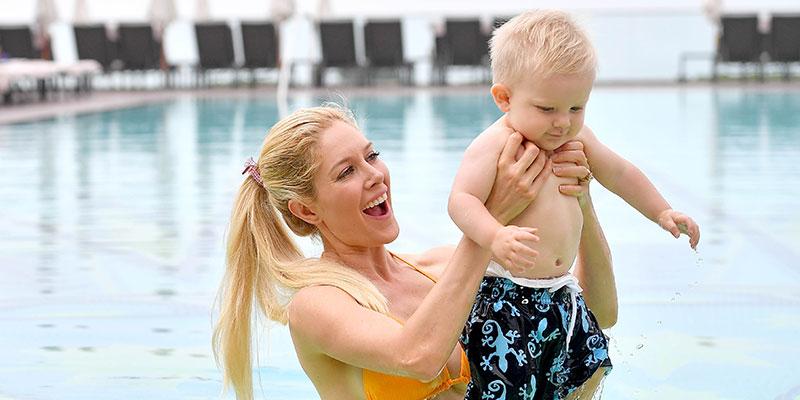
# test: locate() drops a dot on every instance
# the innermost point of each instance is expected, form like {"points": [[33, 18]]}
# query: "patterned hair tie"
{"points": [[251, 167]]}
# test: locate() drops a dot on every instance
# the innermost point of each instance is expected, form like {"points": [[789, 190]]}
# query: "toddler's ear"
{"points": [[501, 95]]}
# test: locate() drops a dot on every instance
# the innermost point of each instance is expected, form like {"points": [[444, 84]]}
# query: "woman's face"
{"points": [[353, 202]]}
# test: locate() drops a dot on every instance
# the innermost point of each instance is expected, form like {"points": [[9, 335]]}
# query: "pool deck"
{"points": [[109, 100]]}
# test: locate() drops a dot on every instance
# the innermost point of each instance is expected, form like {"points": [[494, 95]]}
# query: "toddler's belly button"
{"points": [[558, 262]]}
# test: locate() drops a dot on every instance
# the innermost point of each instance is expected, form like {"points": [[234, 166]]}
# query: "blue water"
{"points": [[112, 227]]}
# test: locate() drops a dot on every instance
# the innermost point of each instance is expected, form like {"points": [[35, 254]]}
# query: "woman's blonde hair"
{"points": [[263, 262], [541, 42]]}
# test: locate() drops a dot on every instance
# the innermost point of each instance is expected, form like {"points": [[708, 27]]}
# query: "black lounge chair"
{"points": [[785, 40], [740, 42], [138, 49], [260, 43], [383, 48], [17, 42], [338, 49], [464, 44], [214, 47], [499, 21], [93, 44]]}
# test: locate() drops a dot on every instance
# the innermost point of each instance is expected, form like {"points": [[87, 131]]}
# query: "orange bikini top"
{"points": [[378, 386]]}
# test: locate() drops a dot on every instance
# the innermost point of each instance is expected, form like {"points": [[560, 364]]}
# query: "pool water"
{"points": [[112, 229]]}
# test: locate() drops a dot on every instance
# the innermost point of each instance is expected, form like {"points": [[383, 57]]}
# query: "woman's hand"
{"points": [[569, 161], [522, 169]]}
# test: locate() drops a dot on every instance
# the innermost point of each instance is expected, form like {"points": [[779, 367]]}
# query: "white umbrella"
{"points": [[713, 10], [281, 10], [323, 9], [46, 14], [161, 13], [201, 11], [81, 13]]}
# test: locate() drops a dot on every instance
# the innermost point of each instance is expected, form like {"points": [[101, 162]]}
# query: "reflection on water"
{"points": [[113, 226]]}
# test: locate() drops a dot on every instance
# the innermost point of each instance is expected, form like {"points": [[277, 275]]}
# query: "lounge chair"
{"points": [[785, 40], [138, 49], [499, 21], [338, 49], [261, 49], [93, 44], [214, 47], [741, 42], [17, 42], [383, 48], [463, 44]]}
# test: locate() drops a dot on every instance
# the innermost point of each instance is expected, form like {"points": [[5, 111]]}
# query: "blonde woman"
{"points": [[367, 323]]}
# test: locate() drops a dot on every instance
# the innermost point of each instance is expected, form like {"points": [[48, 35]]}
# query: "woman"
{"points": [[365, 322]]}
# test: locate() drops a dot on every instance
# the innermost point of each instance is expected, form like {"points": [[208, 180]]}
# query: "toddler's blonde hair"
{"points": [[541, 42]]}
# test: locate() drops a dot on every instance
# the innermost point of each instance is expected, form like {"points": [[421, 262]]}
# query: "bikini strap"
{"points": [[414, 267]]}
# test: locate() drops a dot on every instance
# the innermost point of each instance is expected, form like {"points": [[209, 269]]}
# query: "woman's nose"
{"points": [[375, 176]]}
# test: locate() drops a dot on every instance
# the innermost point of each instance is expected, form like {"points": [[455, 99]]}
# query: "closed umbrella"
{"points": [[323, 9], [281, 10], [80, 16], [46, 14], [201, 12], [161, 14]]}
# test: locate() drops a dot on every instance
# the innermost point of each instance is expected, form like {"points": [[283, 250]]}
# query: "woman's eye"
{"points": [[373, 156], [347, 171]]}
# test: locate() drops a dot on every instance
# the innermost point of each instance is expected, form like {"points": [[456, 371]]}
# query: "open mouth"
{"points": [[377, 207]]}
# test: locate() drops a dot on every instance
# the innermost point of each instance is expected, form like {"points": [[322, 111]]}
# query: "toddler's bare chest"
{"points": [[551, 208]]}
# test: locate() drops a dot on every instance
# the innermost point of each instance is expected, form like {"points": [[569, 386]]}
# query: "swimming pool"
{"points": [[112, 228]]}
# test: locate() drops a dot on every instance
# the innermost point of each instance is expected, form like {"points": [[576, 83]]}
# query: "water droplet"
{"points": [[165, 292], [163, 352], [639, 346]]}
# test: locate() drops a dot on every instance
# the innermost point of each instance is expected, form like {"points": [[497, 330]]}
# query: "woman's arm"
{"points": [[593, 268], [325, 320]]}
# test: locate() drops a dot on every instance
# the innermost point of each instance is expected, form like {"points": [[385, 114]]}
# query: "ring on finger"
{"points": [[586, 178]]}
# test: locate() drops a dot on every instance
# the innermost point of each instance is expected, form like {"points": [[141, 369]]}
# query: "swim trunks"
{"points": [[516, 342]]}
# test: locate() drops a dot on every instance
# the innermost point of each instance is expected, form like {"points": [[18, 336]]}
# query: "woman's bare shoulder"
{"points": [[313, 307], [433, 260]]}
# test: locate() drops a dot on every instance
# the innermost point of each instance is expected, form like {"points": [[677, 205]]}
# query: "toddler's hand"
{"points": [[677, 223], [512, 247]]}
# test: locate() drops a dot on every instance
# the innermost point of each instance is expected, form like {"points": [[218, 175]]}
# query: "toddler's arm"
{"points": [[627, 181], [471, 187]]}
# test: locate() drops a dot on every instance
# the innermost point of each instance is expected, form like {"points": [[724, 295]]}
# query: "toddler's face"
{"points": [[549, 111]]}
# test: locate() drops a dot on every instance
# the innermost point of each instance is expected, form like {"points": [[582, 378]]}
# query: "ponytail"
{"points": [[264, 263]]}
